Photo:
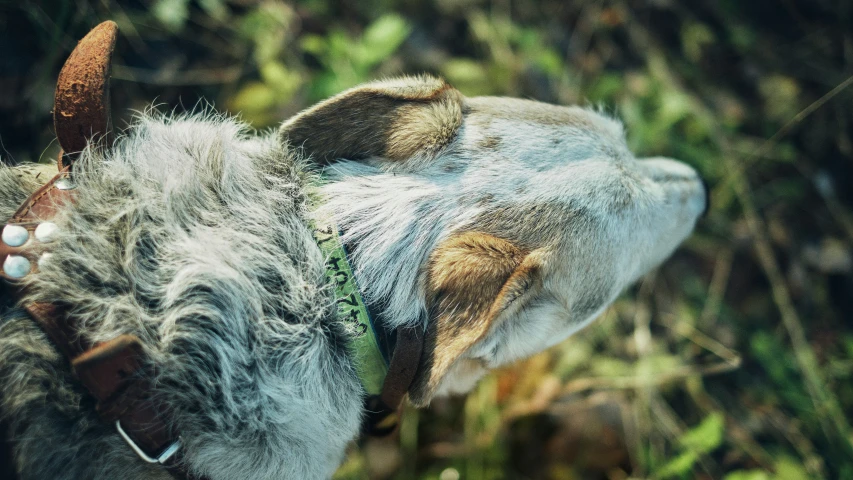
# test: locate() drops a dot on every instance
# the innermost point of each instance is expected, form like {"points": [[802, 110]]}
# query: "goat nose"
{"points": [[707, 197]]}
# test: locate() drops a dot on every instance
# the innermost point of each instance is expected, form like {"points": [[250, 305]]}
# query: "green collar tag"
{"points": [[369, 362]]}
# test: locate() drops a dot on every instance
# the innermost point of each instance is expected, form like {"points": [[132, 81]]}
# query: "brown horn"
{"points": [[82, 102]]}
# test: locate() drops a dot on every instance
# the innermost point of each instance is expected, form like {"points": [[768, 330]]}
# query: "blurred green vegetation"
{"points": [[734, 360]]}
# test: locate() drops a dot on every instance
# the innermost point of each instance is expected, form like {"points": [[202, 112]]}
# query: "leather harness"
{"points": [[118, 373]]}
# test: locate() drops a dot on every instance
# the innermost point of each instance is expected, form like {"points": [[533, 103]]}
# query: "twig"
{"points": [[763, 150], [669, 420], [691, 333], [643, 345], [735, 432], [839, 213], [801, 443], [717, 288], [635, 382], [823, 400], [770, 142]]}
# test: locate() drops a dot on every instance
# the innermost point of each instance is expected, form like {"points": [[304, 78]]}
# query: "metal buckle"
{"points": [[162, 459], [65, 183]]}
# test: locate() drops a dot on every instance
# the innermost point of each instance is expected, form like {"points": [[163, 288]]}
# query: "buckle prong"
{"points": [[161, 459]]}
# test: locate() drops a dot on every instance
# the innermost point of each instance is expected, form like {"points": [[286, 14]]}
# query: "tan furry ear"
{"points": [[471, 279], [394, 119]]}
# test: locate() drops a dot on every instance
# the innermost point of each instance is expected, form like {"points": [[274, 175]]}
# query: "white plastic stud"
{"points": [[43, 259], [16, 266], [46, 232], [15, 235]]}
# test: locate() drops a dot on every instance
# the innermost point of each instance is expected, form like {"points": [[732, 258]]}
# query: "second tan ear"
{"points": [[471, 279], [392, 119]]}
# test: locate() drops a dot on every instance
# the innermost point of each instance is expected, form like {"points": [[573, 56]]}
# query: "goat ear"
{"points": [[471, 279], [393, 119]]}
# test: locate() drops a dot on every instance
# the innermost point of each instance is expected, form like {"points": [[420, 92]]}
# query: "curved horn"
{"points": [[82, 101]]}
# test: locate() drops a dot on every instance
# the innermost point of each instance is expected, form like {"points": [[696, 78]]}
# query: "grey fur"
{"points": [[191, 235]]}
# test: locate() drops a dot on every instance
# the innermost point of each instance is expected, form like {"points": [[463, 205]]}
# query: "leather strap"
{"points": [[403, 366], [118, 374], [44, 203], [40, 206], [382, 412]]}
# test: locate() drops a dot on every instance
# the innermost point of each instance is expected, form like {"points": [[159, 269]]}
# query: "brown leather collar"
{"points": [[117, 373]]}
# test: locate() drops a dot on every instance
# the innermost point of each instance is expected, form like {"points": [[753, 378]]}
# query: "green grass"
{"points": [[734, 360]]}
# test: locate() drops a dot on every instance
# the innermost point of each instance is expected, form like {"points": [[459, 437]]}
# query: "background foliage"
{"points": [[733, 361]]}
